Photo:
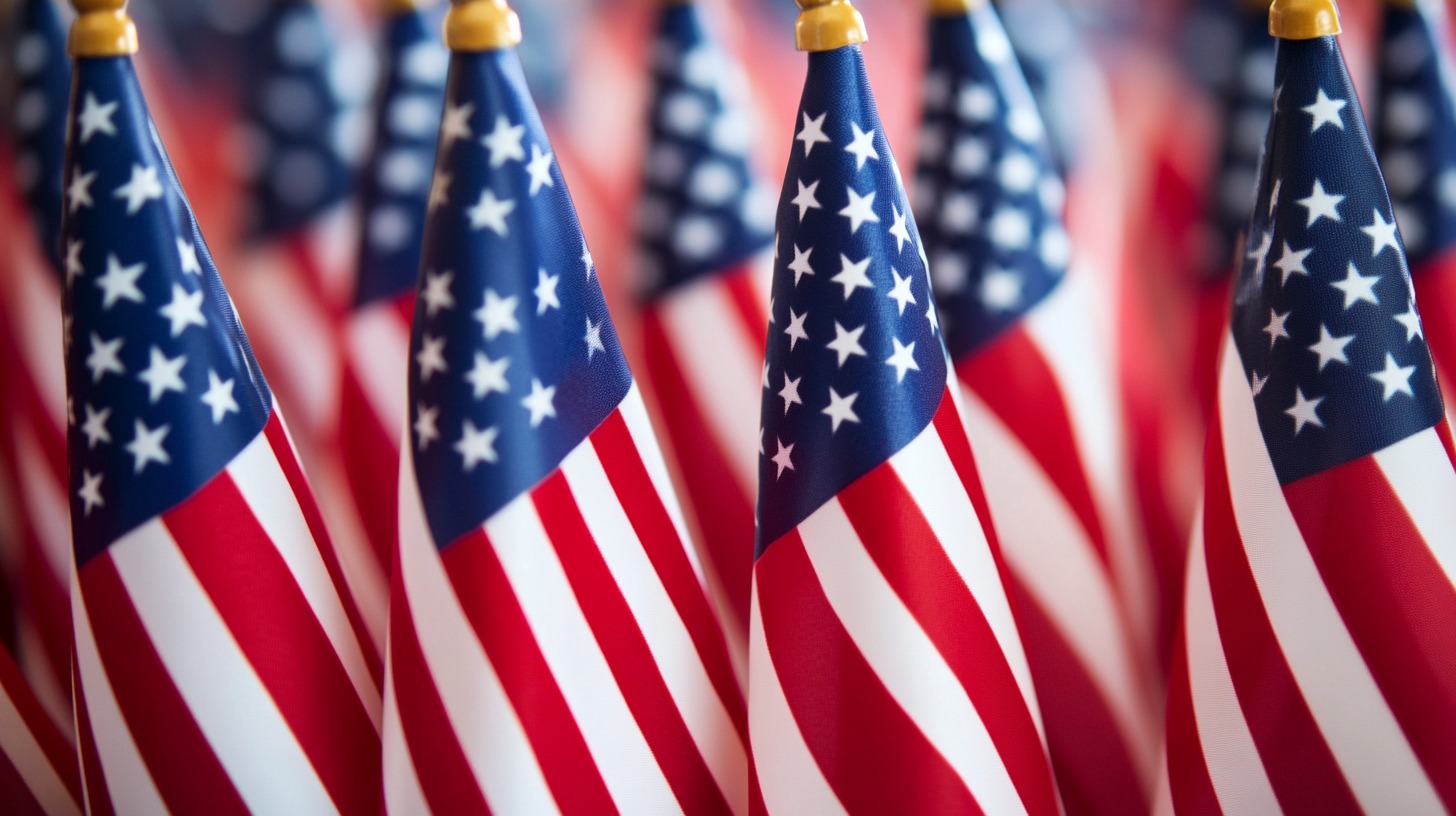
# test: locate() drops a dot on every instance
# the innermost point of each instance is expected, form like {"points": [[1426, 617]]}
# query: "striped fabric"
{"points": [[38, 773]]}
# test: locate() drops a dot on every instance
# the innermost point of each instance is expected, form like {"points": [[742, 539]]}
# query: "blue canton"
{"points": [[1064, 79], [513, 358], [701, 211], [855, 365], [1323, 315], [987, 195], [39, 89], [396, 189], [163, 384]]}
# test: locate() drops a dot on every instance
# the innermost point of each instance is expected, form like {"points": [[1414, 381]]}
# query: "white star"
{"points": [[143, 186], [1292, 263], [1321, 204], [545, 292], [456, 124], [1260, 253], [1412, 322], [1326, 111], [79, 191], [1382, 234], [795, 329], [841, 409], [187, 255], [95, 118], [120, 282], [790, 392], [146, 446], [1018, 173], [853, 275], [931, 315], [764, 379], [488, 375], [163, 374], [74, 269], [959, 213], [800, 265], [784, 458], [1331, 348], [1357, 287], [859, 209], [425, 63], [540, 169], [902, 360], [1010, 228], [1257, 383], [426, 428], [90, 492], [969, 157], [1274, 193], [95, 426], [862, 146], [593, 338], [1395, 378], [901, 294], [184, 310], [431, 357], [1001, 289], [491, 212], [812, 132], [497, 314], [504, 142], [437, 291], [1276, 329], [439, 191], [586, 259], [976, 103], [477, 445], [219, 397], [1304, 411], [540, 402], [846, 343], [104, 357], [901, 228], [805, 199]]}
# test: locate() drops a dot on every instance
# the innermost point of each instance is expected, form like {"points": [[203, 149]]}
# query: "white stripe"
{"points": [[617, 745], [1361, 731], [904, 657], [1420, 473], [485, 724], [229, 702], [378, 348], [365, 578], [760, 277], [661, 625], [47, 508], [129, 785], [332, 240], [402, 792], [788, 776], [264, 487], [24, 751], [1229, 752], [639, 427]]}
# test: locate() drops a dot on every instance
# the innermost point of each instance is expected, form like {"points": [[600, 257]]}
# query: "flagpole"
{"points": [[825, 25], [102, 29], [481, 25], [392, 7], [1303, 19], [953, 8]]}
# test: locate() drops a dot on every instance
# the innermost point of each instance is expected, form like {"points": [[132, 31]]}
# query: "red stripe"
{"points": [[298, 244], [1395, 599], [270, 618], [58, 752], [1188, 781], [645, 510], [45, 599], [16, 798], [952, 433], [872, 754], [370, 453], [97, 798], [1016, 382], [181, 762], [1443, 430], [632, 663], [748, 306], [1303, 772], [888, 520], [490, 604], [1435, 285]]}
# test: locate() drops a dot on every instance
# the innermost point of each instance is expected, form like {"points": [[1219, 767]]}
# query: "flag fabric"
{"points": [[704, 228], [38, 773], [552, 645], [393, 195], [1038, 397], [218, 666], [885, 670], [1314, 671]]}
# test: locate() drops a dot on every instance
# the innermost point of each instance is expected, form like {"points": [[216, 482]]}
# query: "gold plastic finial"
{"points": [[404, 6], [481, 25], [102, 29], [825, 25], [1303, 19], [953, 8]]}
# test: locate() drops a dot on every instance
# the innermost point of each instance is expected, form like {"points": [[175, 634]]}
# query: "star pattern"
{"points": [[35, 108]]}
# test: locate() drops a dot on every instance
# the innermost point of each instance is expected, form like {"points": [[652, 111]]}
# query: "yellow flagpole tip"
{"points": [[404, 6], [953, 8], [1303, 19], [1405, 4], [825, 25], [481, 25], [102, 29]]}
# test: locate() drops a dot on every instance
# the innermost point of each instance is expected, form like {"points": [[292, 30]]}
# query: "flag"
{"points": [[393, 195], [552, 646], [217, 664], [704, 227], [38, 773], [885, 670], [1314, 671]]}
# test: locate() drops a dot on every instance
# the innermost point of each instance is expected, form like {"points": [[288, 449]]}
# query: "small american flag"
{"points": [[1038, 405], [552, 644], [38, 772], [1314, 671], [704, 229], [216, 665], [886, 673]]}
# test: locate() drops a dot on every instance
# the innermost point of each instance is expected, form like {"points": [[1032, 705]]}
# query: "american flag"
{"points": [[1315, 671], [217, 665], [38, 772], [1038, 397], [704, 229], [552, 646], [393, 196], [33, 391], [885, 670]]}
